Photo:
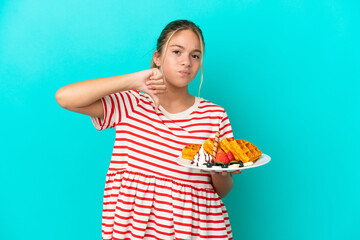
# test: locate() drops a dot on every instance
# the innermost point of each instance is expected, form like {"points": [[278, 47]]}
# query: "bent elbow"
{"points": [[222, 195], [60, 98]]}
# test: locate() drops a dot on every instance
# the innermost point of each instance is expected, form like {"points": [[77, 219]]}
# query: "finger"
{"points": [[156, 77], [156, 74], [236, 172], [156, 99], [156, 92], [155, 82], [156, 87]]}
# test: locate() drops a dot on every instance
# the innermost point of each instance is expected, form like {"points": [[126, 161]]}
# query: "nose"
{"points": [[186, 60]]}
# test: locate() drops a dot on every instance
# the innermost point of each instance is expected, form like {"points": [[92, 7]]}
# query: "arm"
{"points": [[84, 97], [223, 182]]}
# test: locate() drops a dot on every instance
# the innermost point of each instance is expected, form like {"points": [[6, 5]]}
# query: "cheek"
{"points": [[196, 66], [171, 61], [195, 62], [168, 72], [169, 65]]}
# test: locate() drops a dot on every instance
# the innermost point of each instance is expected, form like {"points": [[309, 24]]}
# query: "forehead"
{"points": [[185, 38]]}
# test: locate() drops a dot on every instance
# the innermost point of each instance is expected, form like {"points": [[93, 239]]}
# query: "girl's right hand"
{"points": [[151, 81]]}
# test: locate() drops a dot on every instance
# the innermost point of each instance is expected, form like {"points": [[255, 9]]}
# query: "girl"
{"points": [[147, 194]]}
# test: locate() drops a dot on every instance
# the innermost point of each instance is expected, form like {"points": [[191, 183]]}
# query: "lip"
{"points": [[184, 73]]}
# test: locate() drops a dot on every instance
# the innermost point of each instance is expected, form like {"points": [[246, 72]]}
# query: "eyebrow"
{"points": [[175, 45]]}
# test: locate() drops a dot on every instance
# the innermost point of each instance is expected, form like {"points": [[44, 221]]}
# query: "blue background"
{"points": [[287, 72]]}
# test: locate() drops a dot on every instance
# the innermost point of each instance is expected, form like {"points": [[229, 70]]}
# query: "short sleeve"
{"points": [[225, 127], [117, 107]]}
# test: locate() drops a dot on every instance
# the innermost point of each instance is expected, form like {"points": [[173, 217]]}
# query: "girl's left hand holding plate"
{"points": [[223, 173]]}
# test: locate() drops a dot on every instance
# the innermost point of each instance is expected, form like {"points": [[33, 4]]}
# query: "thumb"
{"points": [[156, 100], [156, 74], [236, 172]]}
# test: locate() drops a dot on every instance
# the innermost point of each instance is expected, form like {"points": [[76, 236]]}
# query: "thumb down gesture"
{"points": [[152, 82]]}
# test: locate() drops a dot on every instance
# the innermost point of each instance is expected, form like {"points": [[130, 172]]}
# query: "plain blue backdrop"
{"points": [[287, 72]]}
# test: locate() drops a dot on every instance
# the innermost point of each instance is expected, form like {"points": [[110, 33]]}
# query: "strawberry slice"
{"points": [[230, 156], [221, 157]]}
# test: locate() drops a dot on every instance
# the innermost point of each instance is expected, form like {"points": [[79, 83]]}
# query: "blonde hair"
{"points": [[169, 31]]}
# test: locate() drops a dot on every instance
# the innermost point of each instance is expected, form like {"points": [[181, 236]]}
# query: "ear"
{"points": [[156, 58]]}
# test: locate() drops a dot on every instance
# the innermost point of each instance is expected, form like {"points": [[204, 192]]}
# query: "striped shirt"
{"points": [[148, 195]]}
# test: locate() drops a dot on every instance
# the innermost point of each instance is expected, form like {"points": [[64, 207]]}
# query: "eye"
{"points": [[196, 56], [176, 51]]}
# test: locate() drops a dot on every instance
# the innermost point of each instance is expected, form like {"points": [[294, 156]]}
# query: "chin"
{"points": [[180, 84]]}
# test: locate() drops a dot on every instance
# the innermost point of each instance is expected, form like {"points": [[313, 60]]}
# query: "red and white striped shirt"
{"points": [[148, 195]]}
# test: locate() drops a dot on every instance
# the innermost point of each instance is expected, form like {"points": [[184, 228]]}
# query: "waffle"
{"points": [[225, 144], [209, 145], [244, 150], [241, 149], [189, 151]]}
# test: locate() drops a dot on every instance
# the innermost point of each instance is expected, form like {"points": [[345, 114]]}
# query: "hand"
{"points": [[223, 173], [223, 181], [151, 81]]}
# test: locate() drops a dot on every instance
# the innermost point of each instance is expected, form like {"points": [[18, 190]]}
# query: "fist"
{"points": [[152, 82]]}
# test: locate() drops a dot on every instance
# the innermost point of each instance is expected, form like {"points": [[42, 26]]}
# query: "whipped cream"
{"points": [[235, 165], [201, 157], [248, 164]]}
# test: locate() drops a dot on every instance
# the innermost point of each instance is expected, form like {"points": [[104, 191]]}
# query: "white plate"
{"points": [[264, 159]]}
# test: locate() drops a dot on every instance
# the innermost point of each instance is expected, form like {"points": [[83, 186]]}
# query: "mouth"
{"points": [[184, 73]]}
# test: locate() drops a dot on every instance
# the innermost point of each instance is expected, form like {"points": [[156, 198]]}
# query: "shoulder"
{"points": [[136, 95], [208, 105], [142, 100]]}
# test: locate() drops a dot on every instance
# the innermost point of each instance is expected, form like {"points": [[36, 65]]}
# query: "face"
{"points": [[182, 58]]}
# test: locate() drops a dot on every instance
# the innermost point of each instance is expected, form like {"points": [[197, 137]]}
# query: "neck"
{"points": [[175, 101]]}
